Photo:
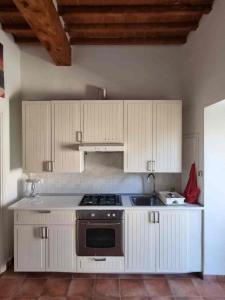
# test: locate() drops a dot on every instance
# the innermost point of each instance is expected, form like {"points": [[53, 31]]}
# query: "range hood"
{"points": [[94, 147]]}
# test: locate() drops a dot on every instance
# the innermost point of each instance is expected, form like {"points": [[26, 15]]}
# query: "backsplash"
{"points": [[104, 174]]}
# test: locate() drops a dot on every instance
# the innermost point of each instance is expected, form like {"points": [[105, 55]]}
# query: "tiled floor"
{"points": [[56, 286]]}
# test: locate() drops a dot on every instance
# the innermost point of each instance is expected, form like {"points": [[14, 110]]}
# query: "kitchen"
{"points": [[97, 161]]}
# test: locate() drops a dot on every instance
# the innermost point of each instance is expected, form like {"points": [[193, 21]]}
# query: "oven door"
{"points": [[99, 238]]}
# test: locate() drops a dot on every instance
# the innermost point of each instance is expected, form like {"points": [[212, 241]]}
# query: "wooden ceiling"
{"points": [[104, 22]]}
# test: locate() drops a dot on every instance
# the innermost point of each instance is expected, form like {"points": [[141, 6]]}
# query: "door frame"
{"points": [[2, 267]]}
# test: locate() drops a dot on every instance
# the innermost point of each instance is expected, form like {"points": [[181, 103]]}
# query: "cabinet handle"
{"points": [[99, 259], [48, 166], [46, 233], [44, 211], [79, 136], [42, 232], [151, 217], [153, 166], [149, 165], [157, 217]]}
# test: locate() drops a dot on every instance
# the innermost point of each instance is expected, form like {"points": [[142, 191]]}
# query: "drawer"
{"points": [[97, 264], [53, 217]]}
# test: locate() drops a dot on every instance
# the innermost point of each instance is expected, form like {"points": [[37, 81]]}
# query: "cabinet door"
{"points": [[138, 126], [102, 121], [60, 248], [173, 242], [36, 135], [29, 248], [167, 136], [140, 241], [66, 124]]}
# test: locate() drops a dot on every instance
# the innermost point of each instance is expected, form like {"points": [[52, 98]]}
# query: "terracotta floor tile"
{"points": [[189, 298], [51, 298], [9, 286], [157, 287], [79, 298], [23, 298], [162, 298], [222, 285], [107, 287], [81, 287], [182, 287], [56, 287], [84, 275], [32, 287], [105, 298], [208, 288], [105, 275], [135, 298], [132, 288]]}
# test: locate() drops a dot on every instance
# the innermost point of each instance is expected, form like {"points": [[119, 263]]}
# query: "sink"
{"points": [[146, 201]]}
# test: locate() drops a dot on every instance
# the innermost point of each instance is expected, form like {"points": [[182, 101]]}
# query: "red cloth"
{"points": [[192, 191]]}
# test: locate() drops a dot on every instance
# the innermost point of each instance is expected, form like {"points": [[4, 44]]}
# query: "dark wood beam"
{"points": [[43, 18], [11, 16], [130, 31], [129, 41], [64, 10], [110, 17], [132, 2]]}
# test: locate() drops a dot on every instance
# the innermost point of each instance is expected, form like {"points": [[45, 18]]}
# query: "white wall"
{"points": [[203, 73], [131, 72], [214, 145], [11, 109]]}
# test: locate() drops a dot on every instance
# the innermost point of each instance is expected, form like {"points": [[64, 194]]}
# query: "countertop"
{"points": [[71, 202]]}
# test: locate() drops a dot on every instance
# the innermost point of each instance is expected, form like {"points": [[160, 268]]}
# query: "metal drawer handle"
{"points": [[99, 259], [44, 211], [79, 136]]}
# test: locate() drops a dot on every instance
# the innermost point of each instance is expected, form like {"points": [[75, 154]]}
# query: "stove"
{"points": [[101, 200]]}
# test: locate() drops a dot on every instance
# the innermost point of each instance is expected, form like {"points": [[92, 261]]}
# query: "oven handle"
{"points": [[99, 259], [103, 224]]}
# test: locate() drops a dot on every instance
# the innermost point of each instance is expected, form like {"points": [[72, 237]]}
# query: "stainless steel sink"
{"points": [[146, 200]]}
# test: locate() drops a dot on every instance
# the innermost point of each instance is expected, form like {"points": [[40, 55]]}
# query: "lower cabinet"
{"points": [[165, 241], [44, 248]]}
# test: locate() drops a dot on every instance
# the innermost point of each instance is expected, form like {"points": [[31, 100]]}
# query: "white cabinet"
{"points": [[138, 135], [152, 136], [167, 136], [29, 248], [163, 241], [36, 135], [49, 246], [141, 236], [50, 130], [60, 247], [173, 242], [102, 121], [66, 125]]}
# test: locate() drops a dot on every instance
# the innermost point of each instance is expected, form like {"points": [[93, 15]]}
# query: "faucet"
{"points": [[151, 177]]}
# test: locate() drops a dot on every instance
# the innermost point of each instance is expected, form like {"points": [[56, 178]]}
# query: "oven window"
{"points": [[100, 238]]}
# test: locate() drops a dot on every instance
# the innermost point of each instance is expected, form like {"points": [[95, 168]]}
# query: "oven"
{"points": [[99, 232]]}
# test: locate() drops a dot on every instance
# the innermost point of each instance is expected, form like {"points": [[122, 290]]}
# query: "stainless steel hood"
{"points": [[95, 147]]}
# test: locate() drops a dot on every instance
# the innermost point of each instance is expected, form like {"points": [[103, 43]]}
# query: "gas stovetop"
{"points": [[101, 200]]}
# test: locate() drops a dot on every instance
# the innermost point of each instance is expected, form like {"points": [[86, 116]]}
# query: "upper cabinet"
{"points": [[167, 136], [152, 136], [138, 135], [151, 132], [50, 131], [37, 154], [66, 126], [102, 121]]}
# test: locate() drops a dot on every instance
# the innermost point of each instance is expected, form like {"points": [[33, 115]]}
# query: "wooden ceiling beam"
{"points": [[132, 2], [128, 18], [128, 41], [131, 31], [44, 21], [70, 10]]}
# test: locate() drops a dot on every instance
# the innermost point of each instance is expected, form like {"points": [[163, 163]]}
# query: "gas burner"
{"points": [[101, 200]]}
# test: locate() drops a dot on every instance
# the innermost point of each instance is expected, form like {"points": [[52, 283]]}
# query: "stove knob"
{"points": [[113, 215], [92, 215], [108, 215]]}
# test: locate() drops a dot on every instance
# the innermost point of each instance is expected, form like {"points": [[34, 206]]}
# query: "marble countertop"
{"points": [[71, 202]]}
